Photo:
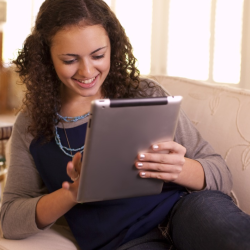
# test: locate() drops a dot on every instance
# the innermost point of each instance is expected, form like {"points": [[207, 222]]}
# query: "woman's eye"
{"points": [[98, 57], [68, 62]]}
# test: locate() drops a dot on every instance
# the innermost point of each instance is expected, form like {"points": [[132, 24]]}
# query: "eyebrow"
{"points": [[97, 50], [90, 53]]}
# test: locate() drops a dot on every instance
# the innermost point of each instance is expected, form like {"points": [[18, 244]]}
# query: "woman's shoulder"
{"points": [[22, 120], [144, 79], [151, 87], [21, 125]]}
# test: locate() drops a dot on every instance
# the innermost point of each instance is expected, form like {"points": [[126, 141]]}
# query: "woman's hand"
{"points": [[165, 161], [73, 171]]}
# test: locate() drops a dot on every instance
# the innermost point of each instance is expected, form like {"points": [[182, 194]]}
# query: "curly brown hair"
{"points": [[36, 70]]}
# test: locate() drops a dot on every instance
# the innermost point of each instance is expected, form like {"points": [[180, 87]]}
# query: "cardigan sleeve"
{"points": [[217, 173], [24, 186]]}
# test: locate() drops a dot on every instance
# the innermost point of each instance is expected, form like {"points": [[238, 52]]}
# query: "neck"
{"points": [[77, 105], [75, 109]]}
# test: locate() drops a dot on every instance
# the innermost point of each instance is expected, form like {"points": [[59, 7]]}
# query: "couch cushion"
{"points": [[56, 238]]}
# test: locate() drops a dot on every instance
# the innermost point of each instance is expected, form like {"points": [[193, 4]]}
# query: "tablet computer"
{"points": [[117, 131]]}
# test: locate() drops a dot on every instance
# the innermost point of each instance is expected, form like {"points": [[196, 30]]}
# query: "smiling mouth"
{"points": [[86, 81]]}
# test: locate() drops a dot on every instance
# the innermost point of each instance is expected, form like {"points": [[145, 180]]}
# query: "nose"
{"points": [[85, 69]]}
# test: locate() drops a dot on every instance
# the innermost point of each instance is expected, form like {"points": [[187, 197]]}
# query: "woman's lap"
{"points": [[152, 240], [151, 246]]}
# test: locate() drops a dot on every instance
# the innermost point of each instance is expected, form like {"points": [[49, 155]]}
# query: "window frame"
{"points": [[160, 42]]}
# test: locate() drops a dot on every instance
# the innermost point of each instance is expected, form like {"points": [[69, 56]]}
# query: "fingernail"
{"points": [[142, 156], [155, 146], [139, 164], [143, 174]]}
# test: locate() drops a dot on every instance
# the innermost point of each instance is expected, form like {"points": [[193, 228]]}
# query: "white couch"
{"points": [[220, 113]]}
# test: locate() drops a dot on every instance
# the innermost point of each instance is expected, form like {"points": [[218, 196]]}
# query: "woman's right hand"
{"points": [[73, 171], [52, 206]]}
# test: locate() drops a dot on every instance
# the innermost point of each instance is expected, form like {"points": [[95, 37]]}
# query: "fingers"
{"points": [[73, 189], [74, 167], [158, 167], [165, 152], [167, 177], [162, 158], [66, 185], [170, 146], [165, 172], [77, 162], [72, 172], [74, 176], [165, 161]]}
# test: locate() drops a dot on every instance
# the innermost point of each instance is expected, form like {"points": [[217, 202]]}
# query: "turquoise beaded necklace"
{"points": [[68, 150], [72, 119]]}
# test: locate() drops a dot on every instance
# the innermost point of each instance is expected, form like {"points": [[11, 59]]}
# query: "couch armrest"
{"points": [[56, 237]]}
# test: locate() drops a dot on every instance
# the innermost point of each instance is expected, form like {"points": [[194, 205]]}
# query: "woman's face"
{"points": [[81, 57]]}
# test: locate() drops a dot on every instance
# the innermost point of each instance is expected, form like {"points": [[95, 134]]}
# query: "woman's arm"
{"points": [[24, 186]]}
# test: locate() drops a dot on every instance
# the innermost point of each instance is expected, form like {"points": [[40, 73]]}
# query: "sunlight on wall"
{"points": [[228, 36], [17, 27], [138, 29], [108, 2], [188, 36], [35, 8]]}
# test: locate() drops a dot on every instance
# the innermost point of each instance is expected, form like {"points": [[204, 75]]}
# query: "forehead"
{"points": [[78, 37]]}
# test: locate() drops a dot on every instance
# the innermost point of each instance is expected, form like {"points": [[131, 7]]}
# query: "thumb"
{"points": [[77, 161]]}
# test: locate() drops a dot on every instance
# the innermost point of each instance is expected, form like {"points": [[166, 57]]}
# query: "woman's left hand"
{"points": [[165, 161]]}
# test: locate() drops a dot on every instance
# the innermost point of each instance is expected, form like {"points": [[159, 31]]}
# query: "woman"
{"points": [[78, 52]]}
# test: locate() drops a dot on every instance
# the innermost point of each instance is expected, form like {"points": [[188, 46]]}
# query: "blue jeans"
{"points": [[205, 220]]}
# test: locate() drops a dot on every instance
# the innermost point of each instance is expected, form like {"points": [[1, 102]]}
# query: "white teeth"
{"points": [[87, 81]]}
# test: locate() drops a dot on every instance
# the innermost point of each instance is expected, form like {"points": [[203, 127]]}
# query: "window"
{"points": [[189, 39], [138, 29], [204, 40], [227, 41]]}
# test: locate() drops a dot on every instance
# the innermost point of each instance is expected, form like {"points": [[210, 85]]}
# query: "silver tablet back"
{"points": [[117, 131]]}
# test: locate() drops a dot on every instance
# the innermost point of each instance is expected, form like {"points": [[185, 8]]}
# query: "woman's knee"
{"points": [[209, 220], [203, 203]]}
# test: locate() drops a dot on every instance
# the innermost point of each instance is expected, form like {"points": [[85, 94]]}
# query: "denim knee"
{"points": [[209, 220]]}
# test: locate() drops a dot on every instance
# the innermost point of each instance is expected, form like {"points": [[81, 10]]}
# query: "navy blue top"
{"points": [[105, 224]]}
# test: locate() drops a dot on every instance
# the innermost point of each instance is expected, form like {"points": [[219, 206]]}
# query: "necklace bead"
{"points": [[65, 149], [72, 119], [57, 137]]}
